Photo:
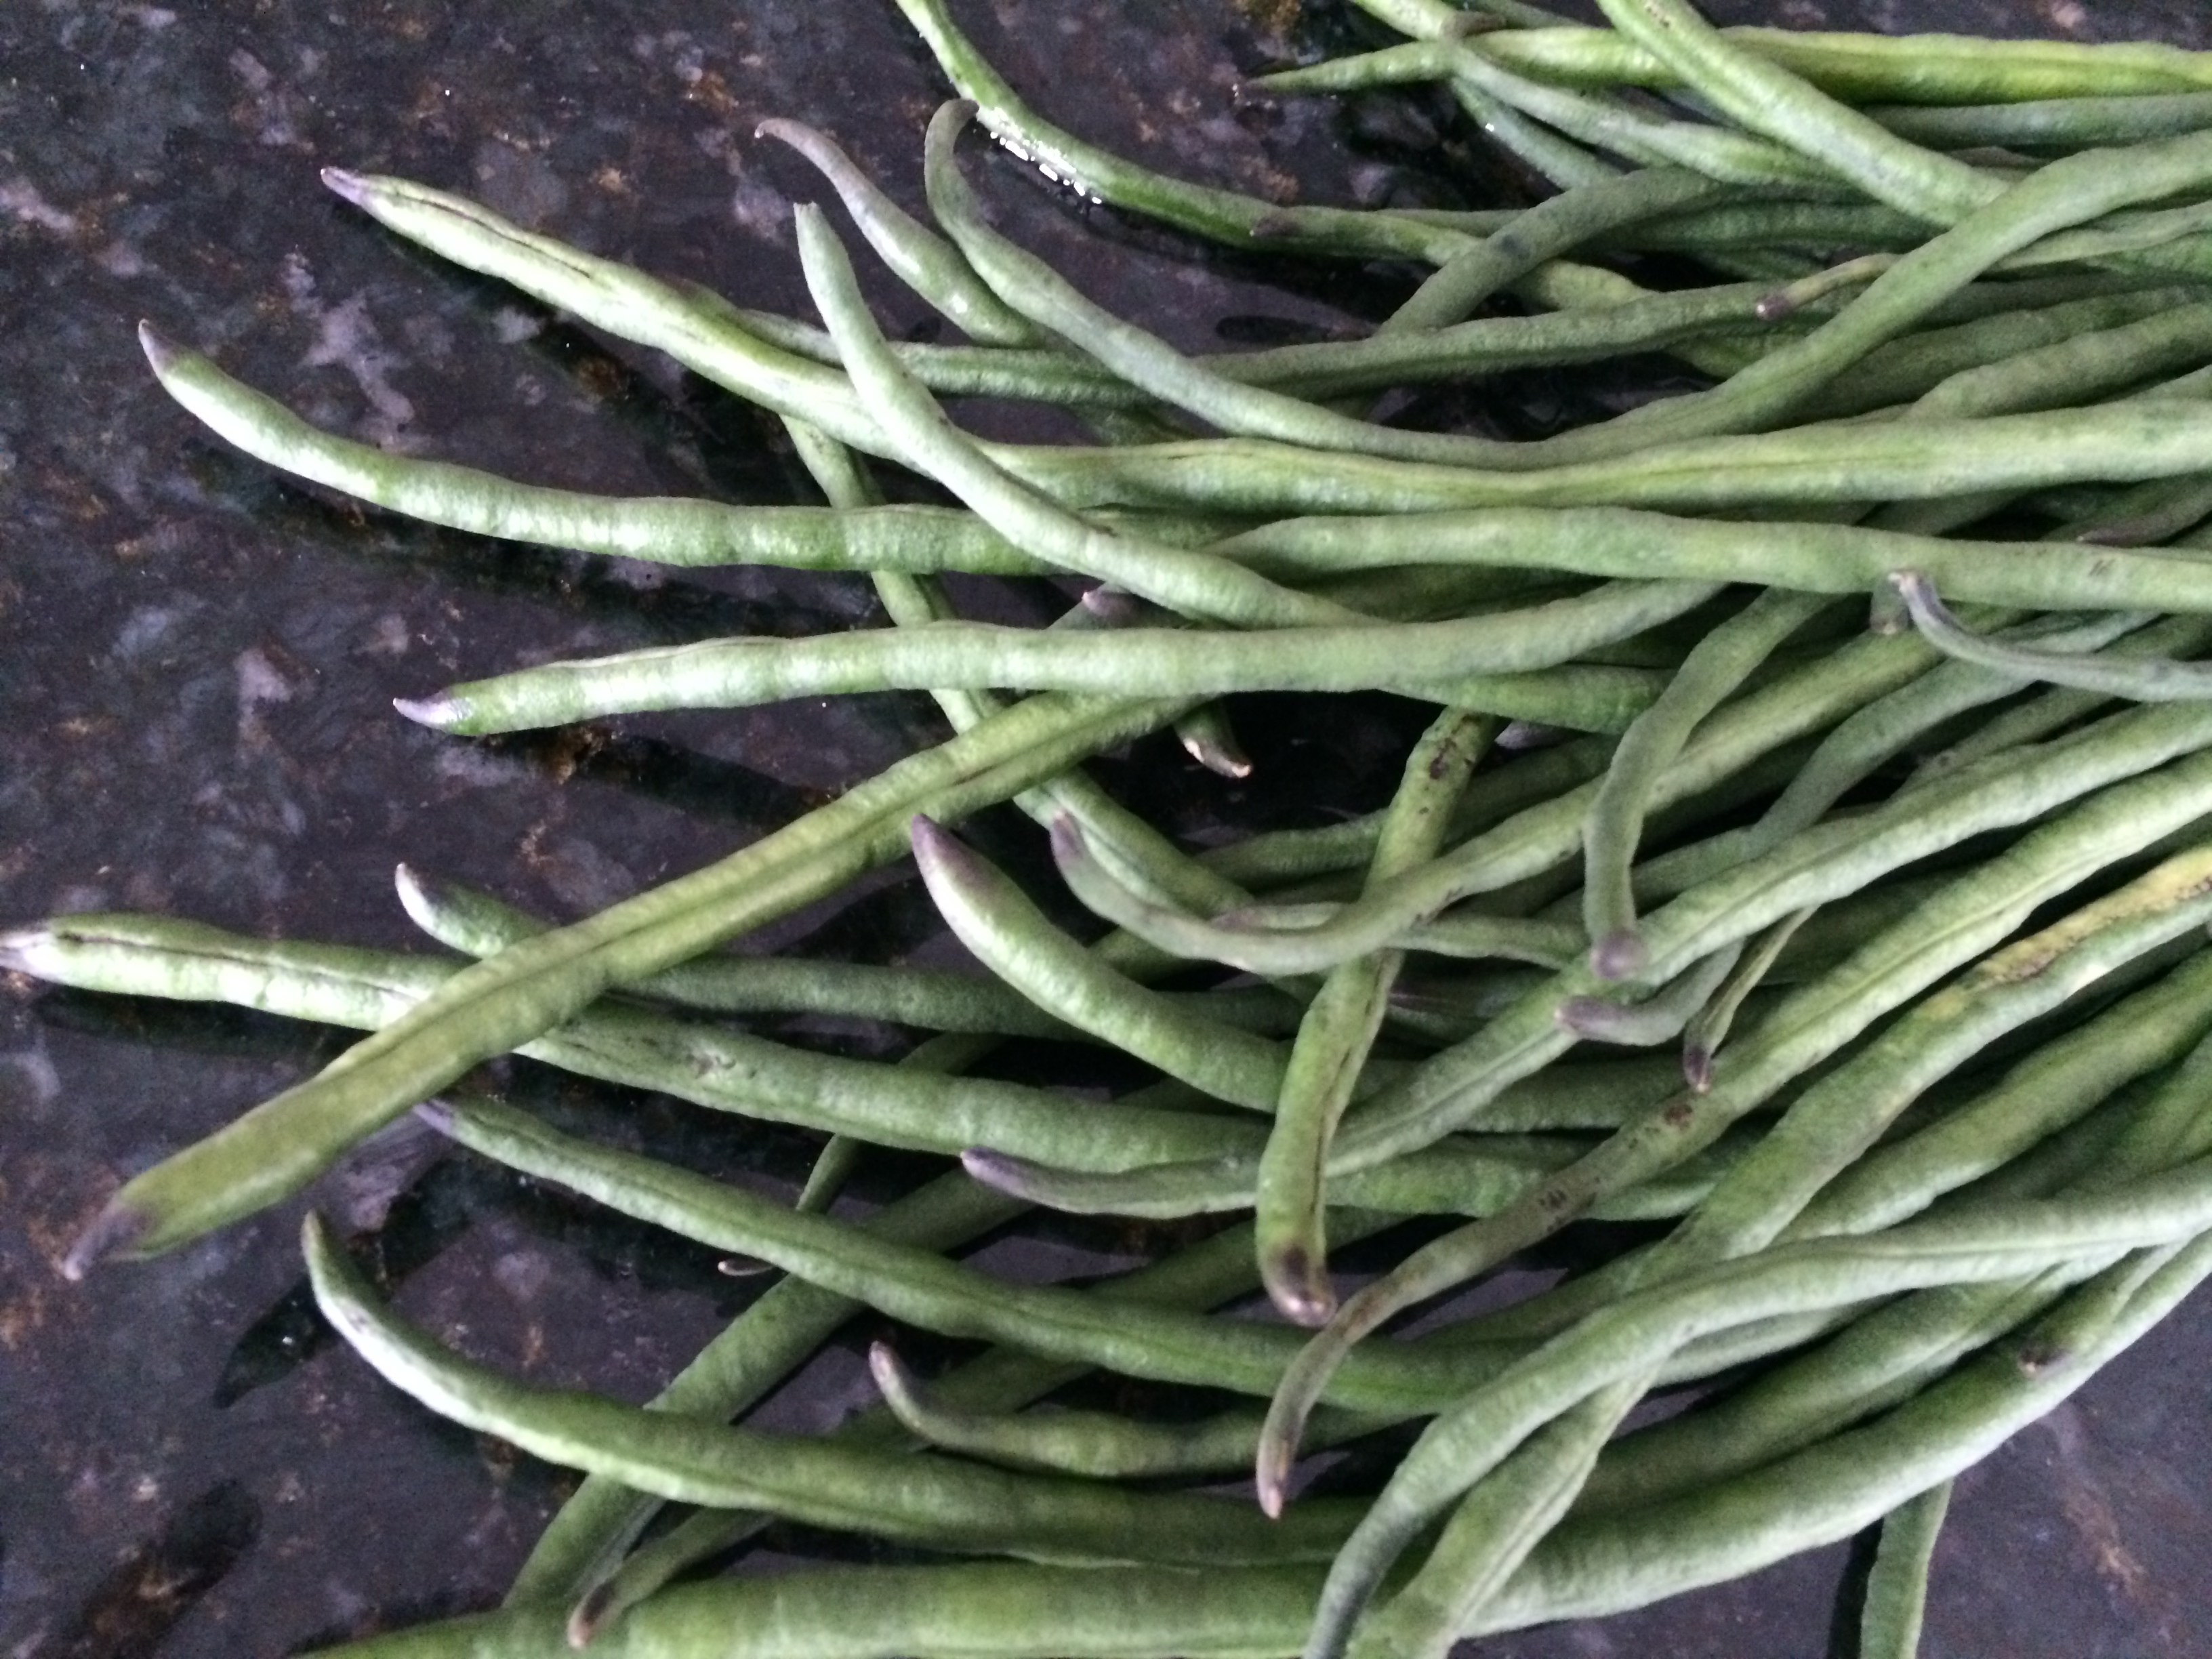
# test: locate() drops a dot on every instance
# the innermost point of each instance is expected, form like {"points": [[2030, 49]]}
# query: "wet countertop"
{"points": [[196, 665]]}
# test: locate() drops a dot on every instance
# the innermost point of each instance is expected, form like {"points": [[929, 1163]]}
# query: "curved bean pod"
{"points": [[1189, 582], [917, 255], [1715, 669], [1011, 937], [1758, 94], [1220, 215], [828, 1482], [1330, 1054], [1100, 1445], [660, 530], [2140, 679], [925, 1290]]}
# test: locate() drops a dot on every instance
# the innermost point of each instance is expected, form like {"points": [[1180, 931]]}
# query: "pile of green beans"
{"points": [[1901, 908]]}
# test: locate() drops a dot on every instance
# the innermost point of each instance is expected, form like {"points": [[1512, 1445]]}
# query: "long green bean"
{"points": [[1411, 658], [826, 1481], [1624, 1339], [1330, 1054]]}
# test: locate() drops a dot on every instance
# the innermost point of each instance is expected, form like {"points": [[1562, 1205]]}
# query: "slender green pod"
{"points": [[1539, 838], [2056, 1085], [1628, 1338], [1715, 669], [920, 540], [1483, 651], [1011, 937], [1604, 124], [828, 1482], [2138, 678], [1330, 1054], [925, 1290], [1830, 1126], [1182, 580], [1219, 214], [629, 304], [2050, 123], [1897, 1589], [1003, 1610], [1450, 1090], [1098, 1445], [1488, 345], [1865, 68], [2076, 371], [1558, 225], [1028, 284], [584, 1542], [1877, 1361], [934, 999], [2055, 710], [1848, 1481], [504, 1002], [1493, 1531], [917, 255], [1621, 543], [1763, 97]]}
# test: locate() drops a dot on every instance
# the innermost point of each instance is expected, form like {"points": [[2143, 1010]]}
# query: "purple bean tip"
{"points": [[588, 1614], [1619, 955], [16, 946], [994, 1170], [350, 185], [1298, 1287], [884, 1365], [438, 1114], [113, 1232], [1698, 1067], [1215, 756], [160, 351], [1271, 1478], [1068, 847]]}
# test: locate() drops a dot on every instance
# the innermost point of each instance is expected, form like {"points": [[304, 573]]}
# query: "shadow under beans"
{"points": [[163, 1577]]}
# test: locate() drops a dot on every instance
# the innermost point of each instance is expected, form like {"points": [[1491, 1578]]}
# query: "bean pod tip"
{"points": [[162, 353], [353, 187], [1622, 954], [113, 1231], [1297, 1284], [442, 713]]}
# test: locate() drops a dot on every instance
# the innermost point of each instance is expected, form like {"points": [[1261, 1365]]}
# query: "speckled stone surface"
{"points": [[196, 663]]}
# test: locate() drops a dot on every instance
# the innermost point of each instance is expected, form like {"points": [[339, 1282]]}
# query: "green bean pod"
{"points": [[828, 1482], [1330, 1054], [1897, 1589], [503, 1003], [1015, 939], [2139, 679], [1484, 653]]}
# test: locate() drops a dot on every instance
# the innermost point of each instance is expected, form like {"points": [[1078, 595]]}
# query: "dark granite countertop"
{"points": [[196, 663]]}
